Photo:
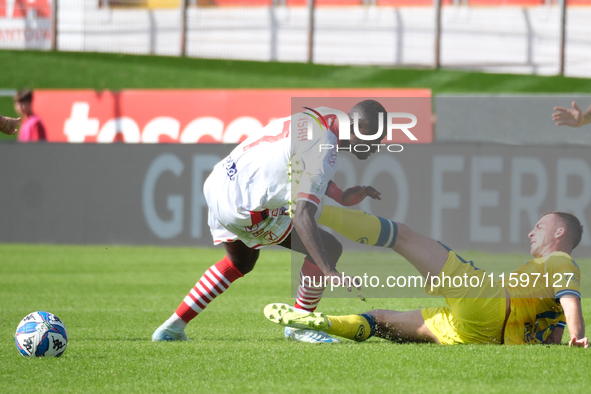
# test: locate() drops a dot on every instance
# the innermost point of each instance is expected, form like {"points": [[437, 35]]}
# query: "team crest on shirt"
{"points": [[230, 166]]}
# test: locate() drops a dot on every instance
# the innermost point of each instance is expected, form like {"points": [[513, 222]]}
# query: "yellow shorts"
{"points": [[475, 313]]}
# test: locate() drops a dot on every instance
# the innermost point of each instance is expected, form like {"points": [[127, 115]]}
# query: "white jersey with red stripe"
{"points": [[249, 192]]}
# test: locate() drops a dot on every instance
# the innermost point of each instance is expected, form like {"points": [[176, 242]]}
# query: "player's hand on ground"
{"points": [[8, 125], [336, 279], [354, 195], [572, 117], [583, 342]]}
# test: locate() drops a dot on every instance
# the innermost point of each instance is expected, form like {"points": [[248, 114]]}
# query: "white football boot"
{"points": [[301, 325], [169, 333], [308, 336]]}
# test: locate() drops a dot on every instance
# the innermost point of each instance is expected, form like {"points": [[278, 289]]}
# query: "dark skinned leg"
{"points": [[309, 295], [214, 282], [243, 257], [332, 245]]}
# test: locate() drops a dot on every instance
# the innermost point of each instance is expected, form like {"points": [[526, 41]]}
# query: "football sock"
{"points": [[359, 226], [355, 327], [214, 282], [311, 287]]}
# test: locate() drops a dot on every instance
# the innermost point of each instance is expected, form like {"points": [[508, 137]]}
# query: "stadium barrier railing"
{"points": [[520, 36]]}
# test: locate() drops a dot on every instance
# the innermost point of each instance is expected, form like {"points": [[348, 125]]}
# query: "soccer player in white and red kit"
{"points": [[251, 204]]}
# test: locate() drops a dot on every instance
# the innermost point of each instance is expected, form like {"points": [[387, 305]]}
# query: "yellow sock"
{"points": [[359, 226], [355, 327]]}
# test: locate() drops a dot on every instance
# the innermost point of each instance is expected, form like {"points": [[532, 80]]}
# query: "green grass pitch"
{"points": [[112, 298]]}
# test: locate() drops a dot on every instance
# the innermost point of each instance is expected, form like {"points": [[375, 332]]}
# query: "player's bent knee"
{"points": [[333, 246], [245, 264], [245, 267], [337, 251], [244, 259]]}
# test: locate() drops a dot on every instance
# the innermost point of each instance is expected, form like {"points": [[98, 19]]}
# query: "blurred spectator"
{"points": [[8, 125], [32, 128], [573, 117]]}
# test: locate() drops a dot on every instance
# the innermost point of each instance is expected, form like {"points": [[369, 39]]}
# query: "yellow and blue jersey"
{"points": [[535, 302]]}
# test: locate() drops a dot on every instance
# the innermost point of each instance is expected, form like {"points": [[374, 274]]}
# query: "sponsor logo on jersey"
{"points": [[320, 120], [252, 229], [270, 236], [319, 183], [278, 212], [360, 332], [230, 166], [258, 233], [332, 159]]}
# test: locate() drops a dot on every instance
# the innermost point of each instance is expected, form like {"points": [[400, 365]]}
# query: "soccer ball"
{"points": [[41, 334]]}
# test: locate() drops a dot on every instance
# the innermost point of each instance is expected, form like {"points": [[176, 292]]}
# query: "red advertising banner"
{"points": [[192, 116], [25, 24], [24, 8]]}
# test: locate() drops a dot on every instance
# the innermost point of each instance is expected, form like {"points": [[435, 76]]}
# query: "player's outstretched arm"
{"points": [[309, 233], [8, 125], [574, 320], [354, 195], [573, 117], [579, 342], [351, 196]]}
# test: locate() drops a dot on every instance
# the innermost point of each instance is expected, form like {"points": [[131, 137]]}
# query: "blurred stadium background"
{"points": [[134, 48], [524, 36]]}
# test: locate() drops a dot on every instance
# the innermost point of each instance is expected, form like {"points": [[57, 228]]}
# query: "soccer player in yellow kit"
{"points": [[531, 313]]}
